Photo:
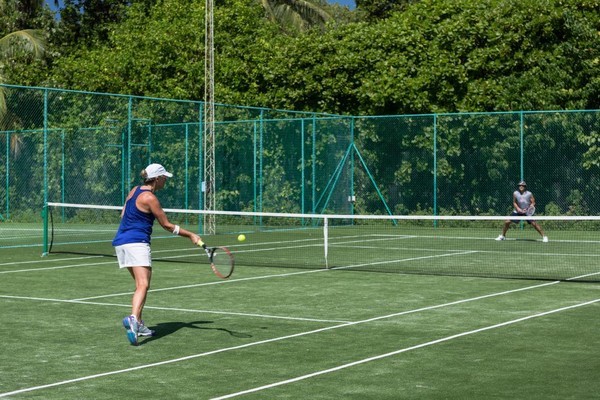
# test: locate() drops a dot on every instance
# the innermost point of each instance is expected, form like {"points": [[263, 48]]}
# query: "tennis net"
{"points": [[416, 244]]}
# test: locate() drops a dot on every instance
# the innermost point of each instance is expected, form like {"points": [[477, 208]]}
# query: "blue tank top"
{"points": [[136, 226]]}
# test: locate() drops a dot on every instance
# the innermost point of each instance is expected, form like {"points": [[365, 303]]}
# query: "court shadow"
{"points": [[168, 328]]}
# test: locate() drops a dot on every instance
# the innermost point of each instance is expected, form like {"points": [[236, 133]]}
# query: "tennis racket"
{"points": [[221, 260], [530, 211]]}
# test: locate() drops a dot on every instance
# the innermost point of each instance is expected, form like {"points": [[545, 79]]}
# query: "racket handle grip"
{"points": [[201, 244]]}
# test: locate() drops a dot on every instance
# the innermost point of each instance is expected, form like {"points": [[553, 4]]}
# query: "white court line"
{"points": [[404, 260], [22, 236], [343, 244], [487, 238], [175, 309], [255, 248], [312, 271], [47, 260], [393, 353], [219, 282], [296, 335], [396, 237], [159, 258], [540, 254], [57, 267]]}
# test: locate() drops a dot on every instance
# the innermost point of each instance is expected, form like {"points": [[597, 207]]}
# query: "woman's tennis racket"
{"points": [[221, 260]]}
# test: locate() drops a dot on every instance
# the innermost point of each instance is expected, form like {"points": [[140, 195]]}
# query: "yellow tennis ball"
{"points": [[241, 238]]}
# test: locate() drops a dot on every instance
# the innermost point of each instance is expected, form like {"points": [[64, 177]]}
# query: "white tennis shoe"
{"points": [[143, 330], [131, 325], [500, 237]]}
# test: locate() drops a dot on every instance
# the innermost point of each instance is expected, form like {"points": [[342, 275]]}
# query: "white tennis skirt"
{"points": [[134, 255]]}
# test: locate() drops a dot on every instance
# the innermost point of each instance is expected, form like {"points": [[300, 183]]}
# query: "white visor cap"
{"points": [[156, 170]]}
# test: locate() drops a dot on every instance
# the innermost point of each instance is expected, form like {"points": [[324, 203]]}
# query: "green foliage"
{"points": [[19, 45], [295, 16], [25, 28], [84, 23], [438, 56], [162, 54], [433, 56], [379, 9]]}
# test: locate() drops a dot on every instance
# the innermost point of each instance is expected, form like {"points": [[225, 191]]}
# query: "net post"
{"points": [[45, 227], [325, 239]]}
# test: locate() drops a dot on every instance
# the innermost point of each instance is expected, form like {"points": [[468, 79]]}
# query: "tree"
{"points": [[24, 28], [446, 56], [435, 56], [381, 9], [161, 53], [28, 40], [85, 22], [18, 39], [17, 47], [296, 15]]}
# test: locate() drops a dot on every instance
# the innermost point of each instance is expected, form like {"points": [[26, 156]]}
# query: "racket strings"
{"points": [[222, 262]]}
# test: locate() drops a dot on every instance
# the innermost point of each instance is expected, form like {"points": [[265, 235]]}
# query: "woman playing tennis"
{"points": [[132, 242]]}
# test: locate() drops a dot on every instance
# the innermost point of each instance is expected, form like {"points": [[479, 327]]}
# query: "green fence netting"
{"points": [[89, 148]]}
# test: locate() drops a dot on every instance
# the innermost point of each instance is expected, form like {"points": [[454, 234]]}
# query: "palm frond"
{"points": [[268, 7], [309, 11], [295, 14], [3, 107], [32, 41]]}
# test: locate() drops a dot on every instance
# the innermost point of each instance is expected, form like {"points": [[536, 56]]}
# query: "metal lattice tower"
{"points": [[209, 119]]}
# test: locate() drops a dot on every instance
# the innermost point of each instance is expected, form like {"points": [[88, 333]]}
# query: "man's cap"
{"points": [[522, 183], [156, 170]]}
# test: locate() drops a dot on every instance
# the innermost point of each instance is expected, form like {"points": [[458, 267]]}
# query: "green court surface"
{"points": [[295, 333]]}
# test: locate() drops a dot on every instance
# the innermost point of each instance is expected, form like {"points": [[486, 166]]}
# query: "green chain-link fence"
{"points": [[89, 148]]}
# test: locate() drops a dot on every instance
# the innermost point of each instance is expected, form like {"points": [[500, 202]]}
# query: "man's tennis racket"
{"points": [[530, 211], [221, 260]]}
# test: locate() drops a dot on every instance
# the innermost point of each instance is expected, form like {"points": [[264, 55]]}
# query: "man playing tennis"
{"points": [[524, 205], [132, 242]]}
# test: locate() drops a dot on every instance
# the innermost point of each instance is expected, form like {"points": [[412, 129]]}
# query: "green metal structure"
{"points": [[89, 148]]}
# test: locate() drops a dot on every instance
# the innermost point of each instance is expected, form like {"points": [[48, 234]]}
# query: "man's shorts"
{"points": [[515, 214], [134, 255]]}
